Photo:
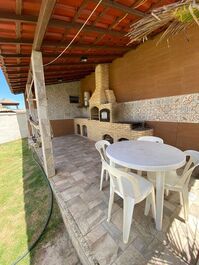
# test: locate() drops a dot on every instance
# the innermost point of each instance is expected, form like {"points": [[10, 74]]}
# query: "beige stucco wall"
{"points": [[59, 106], [13, 126]]}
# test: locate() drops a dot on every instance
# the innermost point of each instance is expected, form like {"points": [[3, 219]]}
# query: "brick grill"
{"points": [[104, 99]]}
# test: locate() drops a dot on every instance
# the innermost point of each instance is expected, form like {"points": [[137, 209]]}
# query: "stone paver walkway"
{"points": [[84, 210]]}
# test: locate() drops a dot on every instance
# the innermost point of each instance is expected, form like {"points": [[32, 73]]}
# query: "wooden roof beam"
{"points": [[82, 6], [63, 71], [58, 64], [69, 79], [50, 80], [70, 69], [3, 67], [64, 81], [54, 74], [65, 76], [123, 8], [18, 25], [101, 15], [50, 5], [16, 75], [53, 55], [59, 24], [22, 84], [85, 46], [88, 28], [59, 44], [74, 67], [45, 13], [15, 41], [16, 82], [12, 17]]}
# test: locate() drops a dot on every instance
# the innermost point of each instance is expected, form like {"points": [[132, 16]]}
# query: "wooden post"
{"points": [[44, 123], [31, 109], [27, 115]]}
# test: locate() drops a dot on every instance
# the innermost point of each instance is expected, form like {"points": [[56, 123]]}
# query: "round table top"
{"points": [[146, 156]]}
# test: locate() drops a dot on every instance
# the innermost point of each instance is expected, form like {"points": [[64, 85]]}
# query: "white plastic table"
{"points": [[148, 156]]}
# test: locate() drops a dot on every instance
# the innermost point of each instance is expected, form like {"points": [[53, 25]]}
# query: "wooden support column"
{"points": [[31, 109], [44, 123], [29, 98], [27, 116]]}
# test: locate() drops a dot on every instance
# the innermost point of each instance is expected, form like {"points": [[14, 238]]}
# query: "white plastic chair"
{"points": [[133, 189], [179, 183], [101, 148], [151, 139]]}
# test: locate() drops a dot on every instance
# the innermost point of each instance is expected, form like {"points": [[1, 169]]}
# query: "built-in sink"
{"points": [[136, 126]]}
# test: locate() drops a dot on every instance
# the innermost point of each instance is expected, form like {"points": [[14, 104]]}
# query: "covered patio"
{"points": [[84, 208], [113, 70]]}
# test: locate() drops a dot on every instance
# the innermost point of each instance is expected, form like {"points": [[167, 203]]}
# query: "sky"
{"points": [[6, 93]]}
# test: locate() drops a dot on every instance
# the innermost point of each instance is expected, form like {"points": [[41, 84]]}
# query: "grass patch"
{"points": [[24, 200]]}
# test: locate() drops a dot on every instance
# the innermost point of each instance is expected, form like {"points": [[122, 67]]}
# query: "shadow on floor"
{"points": [[37, 204], [77, 185]]}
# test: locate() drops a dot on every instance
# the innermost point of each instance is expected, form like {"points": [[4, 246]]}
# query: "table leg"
{"points": [[112, 164], [159, 199]]}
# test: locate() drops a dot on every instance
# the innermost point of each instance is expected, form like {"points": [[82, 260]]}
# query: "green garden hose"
{"points": [[47, 219]]}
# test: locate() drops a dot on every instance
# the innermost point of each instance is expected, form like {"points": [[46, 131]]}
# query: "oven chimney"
{"points": [[103, 99], [101, 84]]}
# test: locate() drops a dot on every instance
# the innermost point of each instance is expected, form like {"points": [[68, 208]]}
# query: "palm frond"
{"points": [[177, 16]]}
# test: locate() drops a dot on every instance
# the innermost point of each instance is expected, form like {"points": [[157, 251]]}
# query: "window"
{"points": [[74, 99]]}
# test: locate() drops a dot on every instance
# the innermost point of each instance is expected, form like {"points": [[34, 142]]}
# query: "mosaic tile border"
{"points": [[183, 108]]}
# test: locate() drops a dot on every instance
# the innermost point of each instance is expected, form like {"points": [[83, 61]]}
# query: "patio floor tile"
{"points": [[76, 187]]}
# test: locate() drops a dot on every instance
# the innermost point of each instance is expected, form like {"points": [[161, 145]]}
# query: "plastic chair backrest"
{"points": [[193, 154], [151, 139], [101, 148], [184, 180], [126, 184], [191, 164]]}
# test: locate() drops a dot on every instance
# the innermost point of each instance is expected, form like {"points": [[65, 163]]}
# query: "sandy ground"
{"points": [[58, 251]]}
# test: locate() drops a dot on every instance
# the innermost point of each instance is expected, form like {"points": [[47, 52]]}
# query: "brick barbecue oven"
{"points": [[103, 101], [102, 122]]}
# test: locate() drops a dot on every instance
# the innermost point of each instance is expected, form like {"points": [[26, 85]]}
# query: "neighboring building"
{"points": [[13, 122], [6, 103]]}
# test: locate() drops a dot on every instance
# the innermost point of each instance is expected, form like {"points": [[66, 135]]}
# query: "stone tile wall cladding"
{"points": [[183, 108], [59, 106]]}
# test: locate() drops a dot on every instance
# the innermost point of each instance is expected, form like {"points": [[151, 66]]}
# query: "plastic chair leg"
{"points": [[102, 178], [153, 207], [150, 201], [147, 205], [107, 175], [185, 195], [127, 217], [167, 192], [181, 198], [110, 205]]}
